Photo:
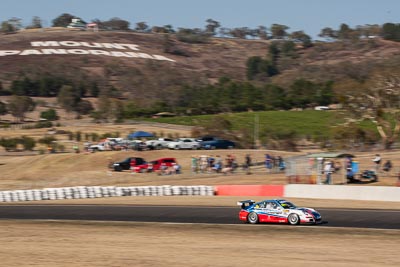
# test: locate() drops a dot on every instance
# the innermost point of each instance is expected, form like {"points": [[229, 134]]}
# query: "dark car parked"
{"points": [[217, 144], [127, 163]]}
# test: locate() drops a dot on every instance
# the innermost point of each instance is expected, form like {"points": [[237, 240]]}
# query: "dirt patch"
{"points": [[145, 244]]}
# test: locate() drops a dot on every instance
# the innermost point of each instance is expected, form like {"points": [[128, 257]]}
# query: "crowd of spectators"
{"points": [[229, 164], [213, 164]]}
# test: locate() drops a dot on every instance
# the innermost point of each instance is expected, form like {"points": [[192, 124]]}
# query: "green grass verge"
{"points": [[309, 123]]}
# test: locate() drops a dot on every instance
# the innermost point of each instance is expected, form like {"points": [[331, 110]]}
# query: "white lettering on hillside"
{"points": [[30, 52], [46, 43], [99, 52], [86, 44], [70, 43], [9, 52], [79, 49], [82, 52], [54, 52]]}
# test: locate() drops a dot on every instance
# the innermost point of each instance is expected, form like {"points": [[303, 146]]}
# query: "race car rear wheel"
{"points": [[252, 218], [293, 219]]}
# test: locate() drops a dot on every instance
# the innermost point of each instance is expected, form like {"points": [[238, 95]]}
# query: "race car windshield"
{"points": [[287, 205]]}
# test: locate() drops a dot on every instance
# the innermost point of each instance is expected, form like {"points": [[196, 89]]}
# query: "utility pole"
{"points": [[256, 130]]}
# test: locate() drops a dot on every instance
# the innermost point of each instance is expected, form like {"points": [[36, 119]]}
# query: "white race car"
{"points": [[277, 211]]}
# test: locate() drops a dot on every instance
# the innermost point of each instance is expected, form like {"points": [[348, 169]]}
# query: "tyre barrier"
{"points": [[81, 192]]}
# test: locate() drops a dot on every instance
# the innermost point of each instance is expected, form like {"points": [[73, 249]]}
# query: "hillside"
{"points": [[155, 65], [186, 64]]}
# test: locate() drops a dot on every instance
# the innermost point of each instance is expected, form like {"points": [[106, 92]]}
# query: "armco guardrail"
{"points": [[80, 192], [375, 193]]}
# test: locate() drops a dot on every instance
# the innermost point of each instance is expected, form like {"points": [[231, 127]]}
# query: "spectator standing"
{"points": [[194, 164], [387, 166], [268, 162], [177, 168], [377, 160], [218, 164], [203, 163], [281, 164], [328, 169], [349, 170], [210, 163], [247, 163]]}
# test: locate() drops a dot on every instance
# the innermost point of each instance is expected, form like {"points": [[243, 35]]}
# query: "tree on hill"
{"points": [[376, 100], [63, 20], [116, 24], [142, 27], [328, 33], [212, 26], [391, 31], [262, 32], [192, 36], [84, 107], [36, 23], [7, 27], [11, 25], [68, 98], [303, 38], [241, 32], [20, 105], [279, 31], [3, 108], [163, 29]]}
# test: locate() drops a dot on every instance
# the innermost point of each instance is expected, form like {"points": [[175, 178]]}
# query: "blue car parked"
{"points": [[217, 144]]}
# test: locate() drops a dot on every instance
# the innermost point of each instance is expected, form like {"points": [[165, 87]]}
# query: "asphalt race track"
{"points": [[363, 218]]}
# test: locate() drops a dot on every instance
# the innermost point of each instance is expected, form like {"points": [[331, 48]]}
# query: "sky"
{"points": [[308, 15]]}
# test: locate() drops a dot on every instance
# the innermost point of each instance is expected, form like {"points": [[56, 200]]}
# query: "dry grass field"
{"points": [[72, 244]]}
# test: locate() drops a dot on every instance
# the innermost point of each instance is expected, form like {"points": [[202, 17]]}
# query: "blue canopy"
{"points": [[140, 134]]}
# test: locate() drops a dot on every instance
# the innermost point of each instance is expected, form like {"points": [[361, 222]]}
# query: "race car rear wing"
{"points": [[245, 203]]}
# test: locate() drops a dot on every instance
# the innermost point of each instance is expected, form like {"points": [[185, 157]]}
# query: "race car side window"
{"points": [[260, 205], [271, 205]]}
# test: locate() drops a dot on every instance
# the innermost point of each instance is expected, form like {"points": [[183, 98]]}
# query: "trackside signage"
{"points": [[83, 48]]}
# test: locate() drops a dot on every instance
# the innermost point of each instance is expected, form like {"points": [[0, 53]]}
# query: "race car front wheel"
{"points": [[252, 218], [293, 219]]}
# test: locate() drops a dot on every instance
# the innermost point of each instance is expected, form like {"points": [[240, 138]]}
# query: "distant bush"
{"points": [[193, 36], [50, 115], [11, 144], [27, 142]]}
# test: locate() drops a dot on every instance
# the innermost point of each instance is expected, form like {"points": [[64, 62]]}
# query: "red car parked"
{"points": [[155, 165]]}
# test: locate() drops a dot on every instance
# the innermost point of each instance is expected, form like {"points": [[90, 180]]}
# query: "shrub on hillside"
{"points": [[50, 115]]}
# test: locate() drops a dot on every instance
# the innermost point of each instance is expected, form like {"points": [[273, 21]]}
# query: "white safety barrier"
{"points": [[375, 193], [80, 192]]}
